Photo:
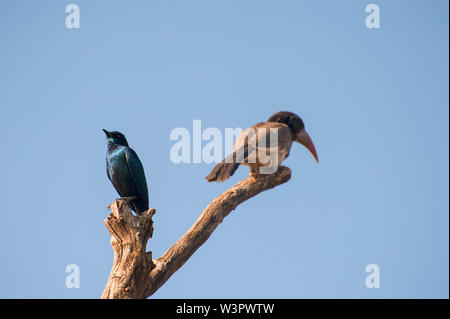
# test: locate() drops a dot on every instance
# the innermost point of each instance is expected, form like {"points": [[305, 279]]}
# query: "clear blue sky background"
{"points": [[374, 101]]}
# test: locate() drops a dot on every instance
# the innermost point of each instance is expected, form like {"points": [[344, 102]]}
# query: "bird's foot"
{"points": [[254, 172], [128, 199]]}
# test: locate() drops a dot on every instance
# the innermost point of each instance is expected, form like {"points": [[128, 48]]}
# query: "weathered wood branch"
{"points": [[134, 274]]}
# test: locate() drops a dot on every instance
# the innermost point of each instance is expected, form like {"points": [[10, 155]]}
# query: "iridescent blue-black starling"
{"points": [[125, 171]]}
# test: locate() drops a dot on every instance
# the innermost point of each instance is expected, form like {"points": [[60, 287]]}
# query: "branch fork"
{"points": [[134, 274]]}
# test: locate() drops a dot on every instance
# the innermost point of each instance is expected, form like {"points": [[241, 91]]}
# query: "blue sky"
{"points": [[375, 102]]}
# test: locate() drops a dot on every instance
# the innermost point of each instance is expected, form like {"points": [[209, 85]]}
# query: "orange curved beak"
{"points": [[304, 139]]}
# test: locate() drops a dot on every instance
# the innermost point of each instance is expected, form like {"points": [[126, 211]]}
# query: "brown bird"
{"points": [[264, 146]]}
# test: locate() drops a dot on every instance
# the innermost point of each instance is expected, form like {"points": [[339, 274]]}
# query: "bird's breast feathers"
{"points": [[116, 160]]}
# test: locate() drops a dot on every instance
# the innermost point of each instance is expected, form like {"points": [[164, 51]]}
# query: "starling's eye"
{"points": [[117, 135]]}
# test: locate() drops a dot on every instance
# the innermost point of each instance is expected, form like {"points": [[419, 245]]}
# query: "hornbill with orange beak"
{"points": [[264, 146]]}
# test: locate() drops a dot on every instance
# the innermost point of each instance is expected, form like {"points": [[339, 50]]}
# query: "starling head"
{"points": [[297, 127], [115, 138]]}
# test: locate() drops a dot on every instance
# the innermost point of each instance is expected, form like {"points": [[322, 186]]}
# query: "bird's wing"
{"points": [[244, 148], [137, 171], [283, 135], [107, 170]]}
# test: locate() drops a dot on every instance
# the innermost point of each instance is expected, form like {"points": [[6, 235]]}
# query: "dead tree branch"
{"points": [[134, 274]]}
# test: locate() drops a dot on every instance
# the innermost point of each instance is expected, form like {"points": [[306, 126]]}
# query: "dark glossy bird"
{"points": [[264, 146], [125, 171]]}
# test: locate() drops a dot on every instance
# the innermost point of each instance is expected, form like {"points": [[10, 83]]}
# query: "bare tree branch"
{"points": [[134, 274]]}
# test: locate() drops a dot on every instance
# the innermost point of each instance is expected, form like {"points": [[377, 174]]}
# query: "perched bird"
{"points": [[255, 147], [125, 171]]}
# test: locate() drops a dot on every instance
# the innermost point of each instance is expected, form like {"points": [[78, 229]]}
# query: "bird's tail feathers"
{"points": [[222, 171], [225, 169]]}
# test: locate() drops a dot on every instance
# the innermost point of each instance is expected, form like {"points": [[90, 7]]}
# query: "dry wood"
{"points": [[134, 274]]}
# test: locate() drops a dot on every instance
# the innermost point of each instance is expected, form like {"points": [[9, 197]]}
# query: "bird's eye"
{"points": [[117, 135]]}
